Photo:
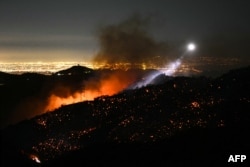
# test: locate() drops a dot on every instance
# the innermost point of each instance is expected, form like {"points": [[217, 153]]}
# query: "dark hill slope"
{"points": [[184, 121]]}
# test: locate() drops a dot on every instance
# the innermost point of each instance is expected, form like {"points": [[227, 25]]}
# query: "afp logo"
{"points": [[237, 158]]}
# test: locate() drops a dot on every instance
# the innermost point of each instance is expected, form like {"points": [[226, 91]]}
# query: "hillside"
{"points": [[188, 120]]}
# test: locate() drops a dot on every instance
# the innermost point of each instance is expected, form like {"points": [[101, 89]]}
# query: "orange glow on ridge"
{"points": [[111, 85]]}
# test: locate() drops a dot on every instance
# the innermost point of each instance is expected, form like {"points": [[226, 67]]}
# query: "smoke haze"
{"points": [[129, 42]]}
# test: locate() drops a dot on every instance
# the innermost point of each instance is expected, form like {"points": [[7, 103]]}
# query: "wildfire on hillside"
{"points": [[107, 85]]}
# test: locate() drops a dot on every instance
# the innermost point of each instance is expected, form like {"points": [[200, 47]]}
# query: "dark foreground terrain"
{"points": [[181, 122]]}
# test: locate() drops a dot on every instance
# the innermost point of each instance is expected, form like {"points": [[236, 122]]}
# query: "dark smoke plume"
{"points": [[129, 42]]}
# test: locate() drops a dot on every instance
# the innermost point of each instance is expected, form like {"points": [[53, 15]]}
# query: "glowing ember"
{"points": [[35, 158], [195, 104]]}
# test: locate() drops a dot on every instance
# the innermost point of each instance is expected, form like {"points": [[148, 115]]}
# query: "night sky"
{"points": [[60, 30]]}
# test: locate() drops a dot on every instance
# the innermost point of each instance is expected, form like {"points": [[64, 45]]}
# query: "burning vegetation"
{"points": [[107, 83], [125, 43]]}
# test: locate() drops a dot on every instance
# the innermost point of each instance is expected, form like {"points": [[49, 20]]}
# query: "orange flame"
{"points": [[111, 85]]}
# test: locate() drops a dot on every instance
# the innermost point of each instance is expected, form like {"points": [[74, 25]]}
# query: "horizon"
{"points": [[80, 31], [199, 65]]}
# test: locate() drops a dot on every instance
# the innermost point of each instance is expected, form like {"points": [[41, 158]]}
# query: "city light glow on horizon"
{"points": [[43, 55]]}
